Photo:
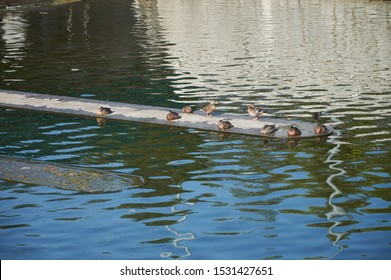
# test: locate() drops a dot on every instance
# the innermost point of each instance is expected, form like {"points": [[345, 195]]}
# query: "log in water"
{"points": [[242, 123], [64, 176]]}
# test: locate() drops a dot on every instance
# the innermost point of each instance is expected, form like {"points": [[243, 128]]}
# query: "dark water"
{"points": [[205, 196]]}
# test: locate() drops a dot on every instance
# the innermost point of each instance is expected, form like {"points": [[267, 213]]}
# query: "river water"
{"points": [[204, 196]]}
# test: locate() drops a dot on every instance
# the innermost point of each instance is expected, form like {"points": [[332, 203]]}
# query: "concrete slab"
{"points": [[243, 123], [63, 176]]}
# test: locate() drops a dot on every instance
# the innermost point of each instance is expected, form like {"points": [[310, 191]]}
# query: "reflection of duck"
{"points": [[209, 108], [268, 128], [101, 121], [320, 129], [223, 125], [254, 112], [104, 111], [187, 110], [294, 131], [172, 116]]}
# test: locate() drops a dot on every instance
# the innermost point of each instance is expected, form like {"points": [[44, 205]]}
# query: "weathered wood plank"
{"points": [[243, 123]]}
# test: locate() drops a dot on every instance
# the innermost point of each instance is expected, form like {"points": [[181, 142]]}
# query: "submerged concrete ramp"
{"points": [[243, 123], [64, 176]]}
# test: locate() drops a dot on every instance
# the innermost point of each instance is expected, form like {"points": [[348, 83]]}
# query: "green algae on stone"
{"points": [[64, 176]]}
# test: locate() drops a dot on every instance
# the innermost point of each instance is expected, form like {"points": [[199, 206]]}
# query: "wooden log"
{"points": [[242, 123]]}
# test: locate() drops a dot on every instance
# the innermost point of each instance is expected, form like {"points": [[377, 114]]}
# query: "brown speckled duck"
{"points": [[104, 111], [171, 116], [268, 128], [255, 112], [316, 116], [209, 108], [187, 110], [320, 129], [294, 131], [224, 125]]}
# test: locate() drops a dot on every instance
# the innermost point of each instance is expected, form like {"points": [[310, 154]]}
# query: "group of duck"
{"points": [[223, 125]]}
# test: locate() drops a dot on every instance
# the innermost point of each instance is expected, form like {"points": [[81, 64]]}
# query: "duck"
{"points": [[209, 108], [187, 110], [316, 116], [294, 131], [223, 125], [320, 129], [104, 111], [255, 112], [171, 116], [268, 128]]}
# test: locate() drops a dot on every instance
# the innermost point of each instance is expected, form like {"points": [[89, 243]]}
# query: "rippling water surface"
{"points": [[246, 198]]}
